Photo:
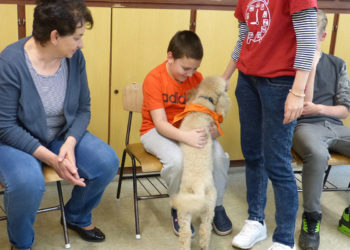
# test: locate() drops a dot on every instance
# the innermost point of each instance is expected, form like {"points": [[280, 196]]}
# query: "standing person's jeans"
{"points": [[266, 144], [22, 177]]}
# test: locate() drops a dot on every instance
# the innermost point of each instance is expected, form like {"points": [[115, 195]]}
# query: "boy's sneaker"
{"points": [[279, 246], [222, 224], [176, 227], [251, 233], [309, 238], [344, 222]]}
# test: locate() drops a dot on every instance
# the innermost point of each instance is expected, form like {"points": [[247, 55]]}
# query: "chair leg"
{"points": [[326, 175], [121, 172], [63, 216], [136, 209]]}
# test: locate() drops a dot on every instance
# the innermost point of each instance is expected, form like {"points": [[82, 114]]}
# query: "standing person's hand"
{"points": [[293, 108]]}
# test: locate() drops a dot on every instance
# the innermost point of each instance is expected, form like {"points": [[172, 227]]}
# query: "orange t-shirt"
{"points": [[160, 90]]}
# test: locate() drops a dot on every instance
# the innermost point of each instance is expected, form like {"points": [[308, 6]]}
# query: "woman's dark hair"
{"points": [[61, 15], [186, 44]]}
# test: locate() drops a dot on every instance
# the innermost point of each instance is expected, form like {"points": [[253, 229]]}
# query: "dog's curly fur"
{"points": [[197, 193]]}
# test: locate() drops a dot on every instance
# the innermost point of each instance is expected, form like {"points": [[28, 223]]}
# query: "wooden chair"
{"points": [[50, 175], [150, 165], [335, 159]]}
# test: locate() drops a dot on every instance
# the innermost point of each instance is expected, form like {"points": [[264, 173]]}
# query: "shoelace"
{"points": [[248, 228], [311, 226]]}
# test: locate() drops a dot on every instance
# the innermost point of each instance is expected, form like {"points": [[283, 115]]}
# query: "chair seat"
{"points": [[148, 162], [49, 174], [336, 159]]}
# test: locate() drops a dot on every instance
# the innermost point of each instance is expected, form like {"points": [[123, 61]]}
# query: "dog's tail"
{"points": [[189, 203]]}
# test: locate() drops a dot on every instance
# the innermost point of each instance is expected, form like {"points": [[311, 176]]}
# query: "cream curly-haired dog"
{"points": [[197, 195]]}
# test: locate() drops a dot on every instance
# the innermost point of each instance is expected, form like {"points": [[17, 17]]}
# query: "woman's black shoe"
{"points": [[93, 235]]}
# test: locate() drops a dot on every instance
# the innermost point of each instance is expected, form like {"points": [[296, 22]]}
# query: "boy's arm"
{"points": [[195, 138], [339, 111], [342, 99]]}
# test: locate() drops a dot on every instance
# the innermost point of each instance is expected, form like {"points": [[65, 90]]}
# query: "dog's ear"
{"points": [[191, 94], [223, 104]]}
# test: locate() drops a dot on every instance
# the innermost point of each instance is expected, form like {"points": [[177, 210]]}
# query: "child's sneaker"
{"points": [[279, 246], [309, 238], [176, 227], [344, 222], [251, 233], [222, 224]]}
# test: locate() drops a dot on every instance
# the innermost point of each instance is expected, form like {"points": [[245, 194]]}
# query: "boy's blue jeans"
{"points": [[266, 144], [21, 175]]}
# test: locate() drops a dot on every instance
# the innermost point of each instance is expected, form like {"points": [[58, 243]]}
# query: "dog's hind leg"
{"points": [[206, 219], [185, 232]]}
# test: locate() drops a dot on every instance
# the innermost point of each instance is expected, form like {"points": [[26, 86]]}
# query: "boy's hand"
{"points": [[213, 130], [310, 109], [197, 138]]}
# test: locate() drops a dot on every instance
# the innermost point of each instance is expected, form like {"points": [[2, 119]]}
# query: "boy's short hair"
{"points": [[322, 22], [186, 44]]}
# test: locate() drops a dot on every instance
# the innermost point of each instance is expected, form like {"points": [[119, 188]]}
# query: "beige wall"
{"points": [[342, 48], [8, 25]]}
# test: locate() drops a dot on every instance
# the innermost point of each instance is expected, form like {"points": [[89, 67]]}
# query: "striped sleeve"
{"points": [[243, 31], [305, 23]]}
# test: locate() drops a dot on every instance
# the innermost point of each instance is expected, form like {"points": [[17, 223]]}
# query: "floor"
{"points": [[116, 219]]}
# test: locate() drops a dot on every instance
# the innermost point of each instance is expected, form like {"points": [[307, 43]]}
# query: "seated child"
{"points": [[164, 91]]}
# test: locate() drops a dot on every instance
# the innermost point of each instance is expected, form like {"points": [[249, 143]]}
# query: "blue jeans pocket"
{"points": [[281, 81]]}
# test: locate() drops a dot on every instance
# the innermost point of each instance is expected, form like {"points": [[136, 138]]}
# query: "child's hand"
{"points": [[310, 109], [197, 138], [213, 130]]}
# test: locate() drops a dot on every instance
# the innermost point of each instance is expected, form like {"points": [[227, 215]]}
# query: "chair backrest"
{"points": [[132, 97]]}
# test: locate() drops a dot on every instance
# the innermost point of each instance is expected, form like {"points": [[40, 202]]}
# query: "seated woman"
{"points": [[44, 115]]}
